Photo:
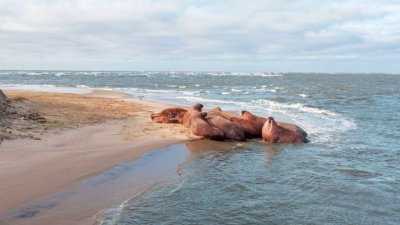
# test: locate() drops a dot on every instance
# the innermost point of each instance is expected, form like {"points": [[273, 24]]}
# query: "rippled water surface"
{"points": [[348, 174]]}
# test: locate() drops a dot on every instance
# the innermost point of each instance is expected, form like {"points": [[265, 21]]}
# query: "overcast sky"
{"points": [[254, 35]]}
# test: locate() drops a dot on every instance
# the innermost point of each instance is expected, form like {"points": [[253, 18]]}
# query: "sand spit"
{"points": [[71, 137]]}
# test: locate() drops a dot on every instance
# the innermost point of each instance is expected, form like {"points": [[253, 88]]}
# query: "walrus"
{"points": [[217, 111], [169, 115], [261, 121], [249, 116], [274, 133], [200, 127], [188, 115], [251, 128], [231, 131]]}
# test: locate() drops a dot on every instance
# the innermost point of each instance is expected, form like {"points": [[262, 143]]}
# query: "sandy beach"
{"points": [[82, 135]]}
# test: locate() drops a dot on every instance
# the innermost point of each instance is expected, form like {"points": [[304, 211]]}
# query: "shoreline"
{"points": [[64, 157]]}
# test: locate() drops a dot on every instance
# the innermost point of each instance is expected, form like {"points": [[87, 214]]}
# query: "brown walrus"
{"points": [[218, 112], [231, 131], [261, 121], [169, 115], [200, 127], [274, 133], [252, 129], [188, 115]]}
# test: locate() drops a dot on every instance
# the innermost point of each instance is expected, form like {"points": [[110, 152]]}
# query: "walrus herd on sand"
{"points": [[218, 125]]}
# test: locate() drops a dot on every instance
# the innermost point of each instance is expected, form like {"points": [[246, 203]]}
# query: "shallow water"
{"points": [[348, 174], [271, 184]]}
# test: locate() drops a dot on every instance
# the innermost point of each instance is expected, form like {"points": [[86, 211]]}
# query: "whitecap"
{"points": [[205, 100], [59, 74], [159, 91], [188, 92], [303, 95], [81, 86]]}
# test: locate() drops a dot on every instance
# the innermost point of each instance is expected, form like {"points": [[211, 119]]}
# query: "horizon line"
{"points": [[200, 71]]}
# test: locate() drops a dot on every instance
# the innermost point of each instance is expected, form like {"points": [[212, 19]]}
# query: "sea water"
{"points": [[349, 173]]}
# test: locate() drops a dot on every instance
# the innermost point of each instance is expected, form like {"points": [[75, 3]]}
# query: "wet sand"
{"points": [[83, 135]]}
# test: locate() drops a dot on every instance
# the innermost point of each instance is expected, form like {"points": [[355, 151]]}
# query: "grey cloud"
{"points": [[198, 35]]}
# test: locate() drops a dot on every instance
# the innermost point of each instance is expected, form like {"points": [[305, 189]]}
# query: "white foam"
{"points": [[46, 88], [204, 100], [59, 74], [81, 86], [303, 95], [321, 124], [159, 91], [225, 93], [188, 92]]}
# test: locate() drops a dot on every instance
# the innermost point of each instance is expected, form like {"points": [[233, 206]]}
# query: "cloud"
{"points": [[200, 35]]}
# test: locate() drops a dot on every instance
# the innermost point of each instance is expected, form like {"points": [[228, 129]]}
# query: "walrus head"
{"points": [[153, 115], [158, 118], [217, 109], [270, 123], [247, 115], [198, 107]]}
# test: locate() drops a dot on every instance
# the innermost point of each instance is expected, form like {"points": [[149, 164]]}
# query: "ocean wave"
{"points": [[159, 91], [81, 86], [303, 95], [172, 74], [238, 74], [297, 106], [190, 92], [45, 88], [323, 125], [205, 100]]}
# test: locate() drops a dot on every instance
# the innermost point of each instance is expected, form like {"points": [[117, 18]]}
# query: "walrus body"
{"points": [[169, 115], [251, 129], [274, 133], [218, 112], [200, 127], [261, 121], [231, 131], [187, 117]]}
